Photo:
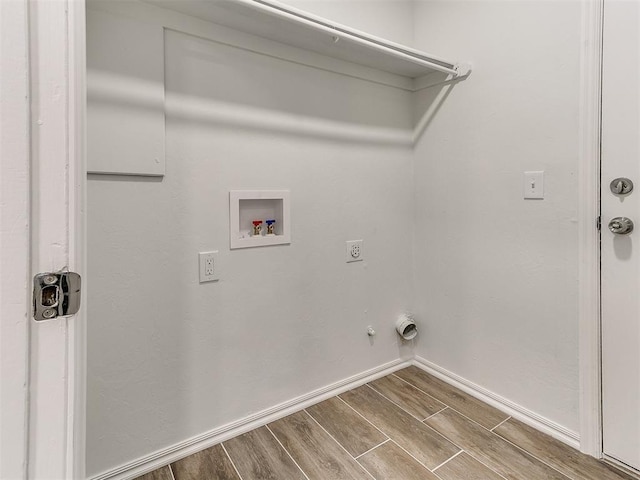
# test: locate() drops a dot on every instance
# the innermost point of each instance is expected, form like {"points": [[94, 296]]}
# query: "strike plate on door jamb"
{"points": [[56, 295]]}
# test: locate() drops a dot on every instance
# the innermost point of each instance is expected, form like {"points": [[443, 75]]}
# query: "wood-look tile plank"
{"points": [[490, 449], [484, 414], [422, 442], [390, 462], [258, 455], [319, 455], [407, 396], [160, 474], [465, 466], [212, 464], [557, 454], [352, 431]]}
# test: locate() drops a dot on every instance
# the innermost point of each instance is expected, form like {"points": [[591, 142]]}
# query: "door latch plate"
{"points": [[56, 295]]}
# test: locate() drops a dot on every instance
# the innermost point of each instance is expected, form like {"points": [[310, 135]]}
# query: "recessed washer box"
{"points": [[245, 206]]}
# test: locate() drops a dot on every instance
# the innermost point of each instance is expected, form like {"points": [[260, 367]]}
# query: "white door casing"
{"points": [[620, 263], [58, 179], [589, 236], [43, 181], [14, 238]]}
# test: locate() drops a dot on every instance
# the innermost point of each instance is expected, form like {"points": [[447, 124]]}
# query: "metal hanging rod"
{"points": [[341, 32]]}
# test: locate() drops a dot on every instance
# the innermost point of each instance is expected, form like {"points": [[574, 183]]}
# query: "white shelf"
{"points": [[284, 24]]}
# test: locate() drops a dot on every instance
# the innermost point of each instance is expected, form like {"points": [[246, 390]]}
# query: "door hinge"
{"points": [[598, 225], [56, 295]]}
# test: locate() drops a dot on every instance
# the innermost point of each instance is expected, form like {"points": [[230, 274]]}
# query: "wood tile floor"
{"points": [[408, 425]]}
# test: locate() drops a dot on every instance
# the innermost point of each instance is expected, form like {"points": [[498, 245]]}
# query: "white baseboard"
{"points": [[195, 444], [505, 405]]}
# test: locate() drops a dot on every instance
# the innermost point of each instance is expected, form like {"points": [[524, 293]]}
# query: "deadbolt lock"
{"points": [[621, 186], [56, 295]]}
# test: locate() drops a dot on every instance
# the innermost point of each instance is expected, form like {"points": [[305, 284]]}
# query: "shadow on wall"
{"points": [[429, 100], [232, 76], [238, 89]]}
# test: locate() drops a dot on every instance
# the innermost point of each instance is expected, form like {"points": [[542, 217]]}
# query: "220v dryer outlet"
{"points": [[355, 251]]}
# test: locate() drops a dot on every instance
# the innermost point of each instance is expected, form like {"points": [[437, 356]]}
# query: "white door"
{"points": [[621, 252], [41, 230]]}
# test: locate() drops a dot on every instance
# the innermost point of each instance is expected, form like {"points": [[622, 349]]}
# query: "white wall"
{"points": [[496, 275], [390, 19], [169, 358]]}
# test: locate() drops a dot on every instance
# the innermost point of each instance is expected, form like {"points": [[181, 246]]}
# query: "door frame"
{"points": [[14, 239], [44, 170], [57, 380], [589, 314], [77, 118], [58, 239]]}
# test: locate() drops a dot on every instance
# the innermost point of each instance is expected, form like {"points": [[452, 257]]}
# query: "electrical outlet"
{"points": [[209, 267], [355, 251]]}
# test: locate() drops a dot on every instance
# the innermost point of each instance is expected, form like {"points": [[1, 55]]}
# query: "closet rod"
{"points": [[340, 32]]}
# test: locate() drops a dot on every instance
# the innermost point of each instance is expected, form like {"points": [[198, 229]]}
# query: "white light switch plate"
{"points": [[534, 185]]}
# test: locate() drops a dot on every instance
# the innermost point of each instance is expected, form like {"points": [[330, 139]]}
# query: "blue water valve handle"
{"points": [[270, 226]]}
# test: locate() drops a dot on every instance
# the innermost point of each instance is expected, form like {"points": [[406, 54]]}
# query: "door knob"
{"points": [[621, 225], [621, 186]]}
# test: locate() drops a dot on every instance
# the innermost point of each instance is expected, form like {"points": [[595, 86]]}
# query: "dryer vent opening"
{"points": [[406, 327]]}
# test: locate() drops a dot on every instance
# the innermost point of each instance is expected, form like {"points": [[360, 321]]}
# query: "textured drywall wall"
{"points": [[169, 358], [389, 19], [496, 275]]}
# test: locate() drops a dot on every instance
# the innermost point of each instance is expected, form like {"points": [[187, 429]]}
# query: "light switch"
{"points": [[534, 185]]}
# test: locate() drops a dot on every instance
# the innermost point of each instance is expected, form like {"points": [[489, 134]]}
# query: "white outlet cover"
{"points": [[208, 260], [354, 251]]}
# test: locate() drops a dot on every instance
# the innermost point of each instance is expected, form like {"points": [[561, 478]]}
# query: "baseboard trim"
{"points": [[195, 444], [623, 467], [513, 409]]}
